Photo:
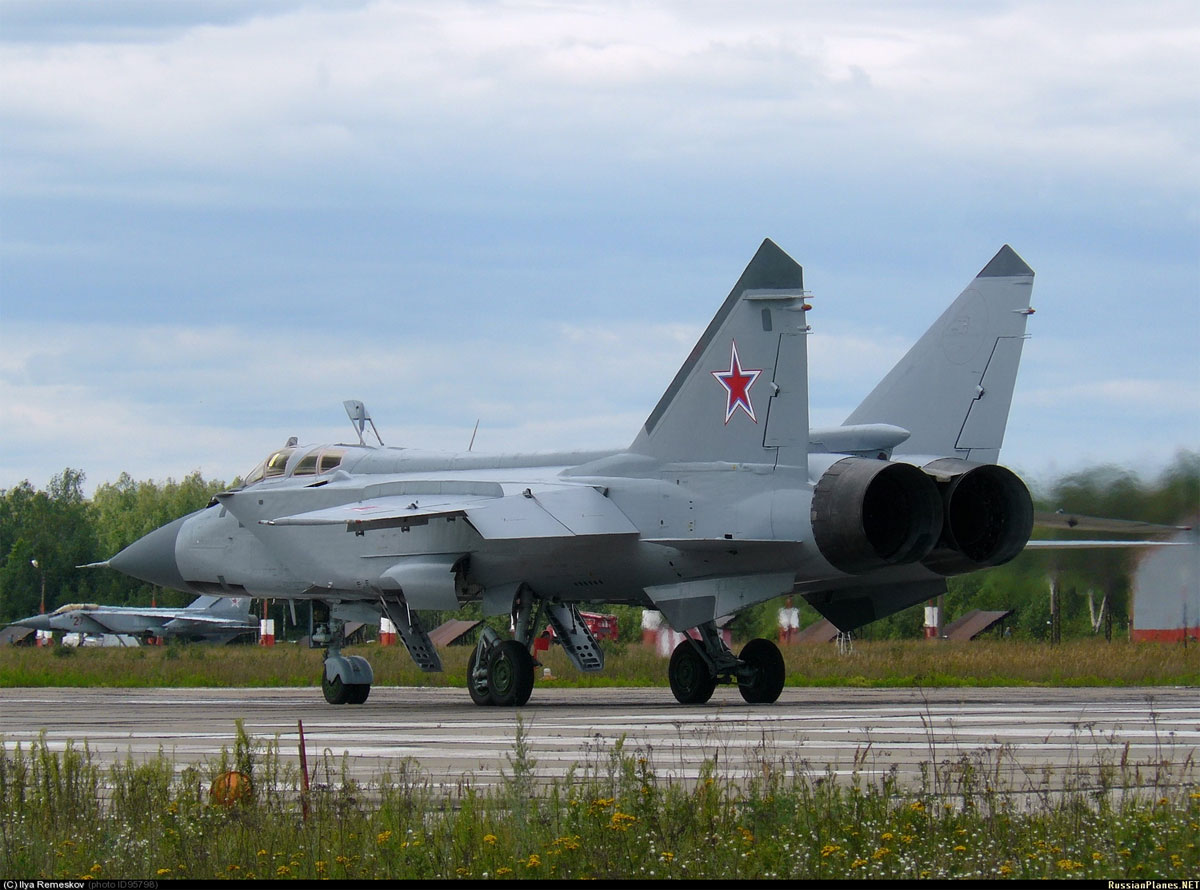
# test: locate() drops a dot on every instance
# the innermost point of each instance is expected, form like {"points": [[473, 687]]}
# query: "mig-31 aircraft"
{"points": [[724, 499], [211, 618]]}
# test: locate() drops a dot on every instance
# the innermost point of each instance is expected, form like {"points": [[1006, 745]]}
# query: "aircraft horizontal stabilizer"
{"points": [[1077, 522], [1099, 545]]}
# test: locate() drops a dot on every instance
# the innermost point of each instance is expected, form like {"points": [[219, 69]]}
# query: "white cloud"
{"points": [[164, 400], [393, 84], [633, 137]]}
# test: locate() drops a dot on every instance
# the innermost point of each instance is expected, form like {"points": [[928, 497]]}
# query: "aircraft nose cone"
{"points": [[152, 558]]}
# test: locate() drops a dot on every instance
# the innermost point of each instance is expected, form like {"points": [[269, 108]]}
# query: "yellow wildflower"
{"points": [[489, 839], [620, 821], [383, 837]]}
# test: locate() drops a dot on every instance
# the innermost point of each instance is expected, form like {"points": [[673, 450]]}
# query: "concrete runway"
{"points": [[1028, 738]]}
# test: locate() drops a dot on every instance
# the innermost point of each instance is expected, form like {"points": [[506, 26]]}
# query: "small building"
{"points": [[1166, 592]]}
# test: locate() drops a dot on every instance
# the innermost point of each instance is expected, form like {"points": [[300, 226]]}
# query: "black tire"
{"points": [[691, 680], [358, 693], [336, 692], [479, 696], [510, 675], [767, 672]]}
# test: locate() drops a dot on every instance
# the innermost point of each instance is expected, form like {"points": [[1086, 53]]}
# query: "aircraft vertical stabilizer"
{"points": [[742, 394], [953, 389]]}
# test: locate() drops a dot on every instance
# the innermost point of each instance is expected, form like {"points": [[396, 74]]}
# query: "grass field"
{"points": [[610, 817], [888, 663], [66, 817]]}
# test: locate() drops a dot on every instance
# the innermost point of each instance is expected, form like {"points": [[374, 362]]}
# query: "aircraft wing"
{"points": [[559, 511]]}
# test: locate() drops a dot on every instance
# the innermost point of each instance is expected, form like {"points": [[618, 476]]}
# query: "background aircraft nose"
{"points": [[152, 558], [37, 622]]}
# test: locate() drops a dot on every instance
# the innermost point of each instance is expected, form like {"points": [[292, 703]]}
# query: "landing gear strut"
{"points": [[499, 672], [345, 679], [697, 666]]}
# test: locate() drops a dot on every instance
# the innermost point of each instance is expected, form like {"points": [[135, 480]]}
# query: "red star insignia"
{"points": [[737, 382]]}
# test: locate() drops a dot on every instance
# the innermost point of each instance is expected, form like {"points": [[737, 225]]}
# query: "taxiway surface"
{"points": [[1028, 737]]}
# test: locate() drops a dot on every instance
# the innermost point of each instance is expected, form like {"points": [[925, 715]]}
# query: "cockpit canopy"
{"points": [[316, 462]]}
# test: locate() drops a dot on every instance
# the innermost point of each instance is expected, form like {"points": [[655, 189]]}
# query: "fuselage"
{"points": [[228, 548]]}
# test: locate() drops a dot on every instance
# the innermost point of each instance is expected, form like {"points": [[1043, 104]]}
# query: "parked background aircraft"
{"points": [[724, 499], [211, 618]]}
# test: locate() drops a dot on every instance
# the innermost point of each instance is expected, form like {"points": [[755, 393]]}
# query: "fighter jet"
{"points": [[211, 618], [725, 498]]}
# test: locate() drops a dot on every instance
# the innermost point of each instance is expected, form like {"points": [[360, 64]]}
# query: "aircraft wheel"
{"points": [[510, 675], [478, 690], [767, 672], [336, 692], [357, 693], [689, 675]]}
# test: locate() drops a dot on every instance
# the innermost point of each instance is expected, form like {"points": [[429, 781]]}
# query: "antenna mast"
{"points": [[360, 417]]}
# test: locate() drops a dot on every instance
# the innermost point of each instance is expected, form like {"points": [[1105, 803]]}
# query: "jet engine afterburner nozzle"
{"points": [[989, 516], [867, 514]]}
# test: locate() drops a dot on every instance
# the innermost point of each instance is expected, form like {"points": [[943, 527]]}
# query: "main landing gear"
{"points": [[501, 672], [698, 665]]}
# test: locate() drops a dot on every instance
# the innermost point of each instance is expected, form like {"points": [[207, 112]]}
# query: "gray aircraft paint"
{"points": [[952, 391], [724, 499], [208, 617]]}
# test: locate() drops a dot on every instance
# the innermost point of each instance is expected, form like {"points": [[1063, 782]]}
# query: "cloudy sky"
{"points": [[219, 219]]}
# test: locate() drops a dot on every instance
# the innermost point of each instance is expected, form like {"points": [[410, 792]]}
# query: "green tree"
{"points": [[53, 528], [125, 510]]}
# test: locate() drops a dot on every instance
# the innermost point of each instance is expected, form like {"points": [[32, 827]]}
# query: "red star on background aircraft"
{"points": [[737, 383]]}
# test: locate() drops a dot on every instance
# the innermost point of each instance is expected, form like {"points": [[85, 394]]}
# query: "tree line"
{"points": [[61, 529]]}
